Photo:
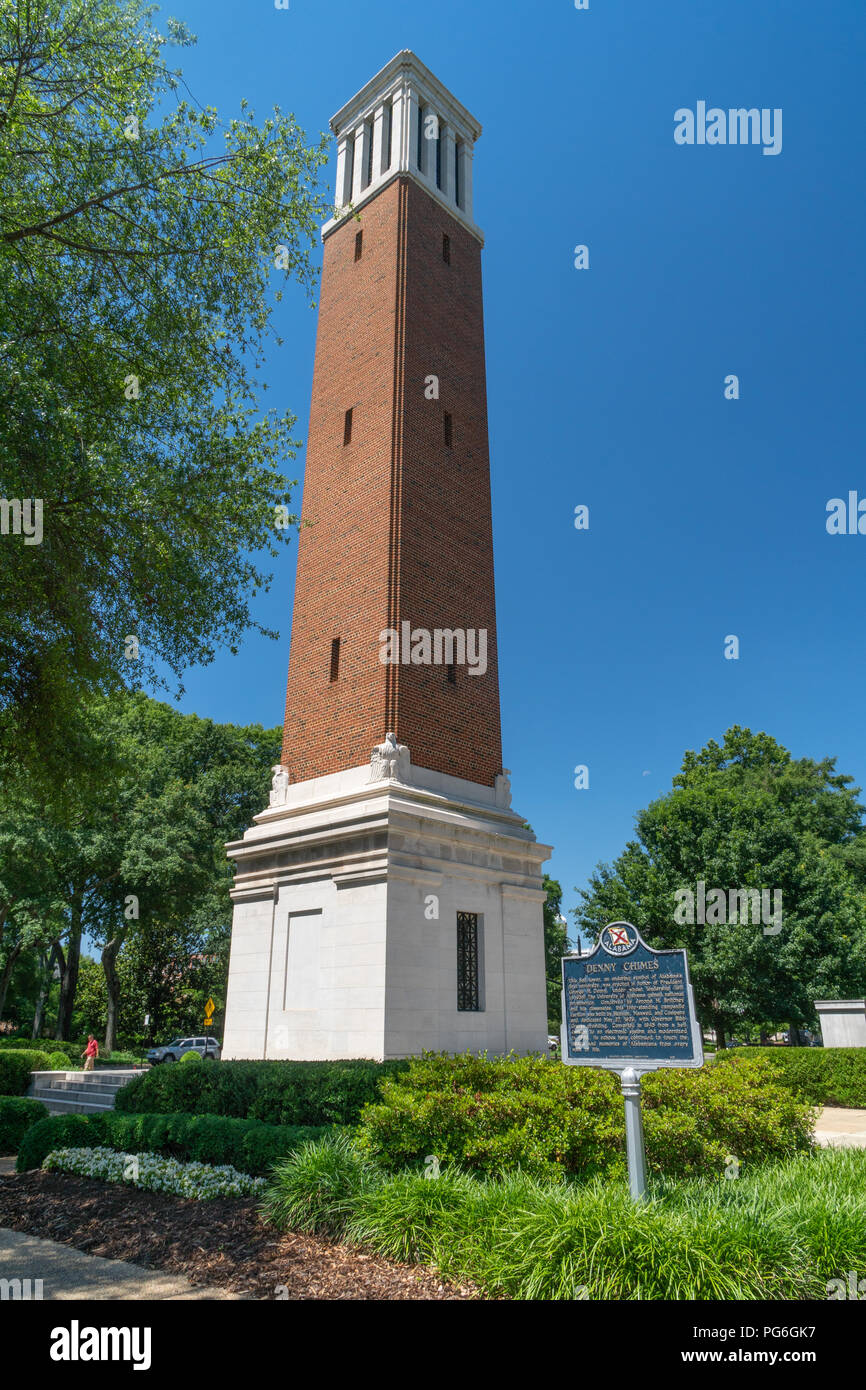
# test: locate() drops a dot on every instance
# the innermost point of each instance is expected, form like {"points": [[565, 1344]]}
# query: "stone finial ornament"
{"points": [[502, 787], [279, 786], [390, 760]]}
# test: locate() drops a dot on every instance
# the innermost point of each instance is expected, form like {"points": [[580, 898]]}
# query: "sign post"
{"points": [[629, 1081], [630, 1009]]}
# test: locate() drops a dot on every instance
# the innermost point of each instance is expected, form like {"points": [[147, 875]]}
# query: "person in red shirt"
{"points": [[90, 1053]]}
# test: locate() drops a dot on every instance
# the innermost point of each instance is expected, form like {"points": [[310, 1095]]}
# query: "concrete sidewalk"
{"points": [[840, 1128], [68, 1274]]}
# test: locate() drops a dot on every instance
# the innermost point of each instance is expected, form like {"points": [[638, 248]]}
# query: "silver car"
{"points": [[209, 1048]]}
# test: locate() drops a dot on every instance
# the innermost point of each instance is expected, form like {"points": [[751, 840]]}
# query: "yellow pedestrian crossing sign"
{"points": [[208, 1013]]}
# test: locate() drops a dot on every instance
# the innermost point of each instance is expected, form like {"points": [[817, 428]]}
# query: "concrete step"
{"points": [[73, 1105], [70, 1091], [78, 1093], [82, 1081]]}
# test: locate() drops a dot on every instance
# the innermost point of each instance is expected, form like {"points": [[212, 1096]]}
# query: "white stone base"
{"points": [[344, 937]]}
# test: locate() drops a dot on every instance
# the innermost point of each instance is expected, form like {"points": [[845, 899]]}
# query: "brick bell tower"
{"points": [[389, 900]]}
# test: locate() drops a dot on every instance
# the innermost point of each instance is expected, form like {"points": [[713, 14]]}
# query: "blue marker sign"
{"points": [[627, 1006]]}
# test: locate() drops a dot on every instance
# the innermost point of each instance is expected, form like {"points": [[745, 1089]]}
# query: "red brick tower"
{"points": [[388, 900], [397, 486]]}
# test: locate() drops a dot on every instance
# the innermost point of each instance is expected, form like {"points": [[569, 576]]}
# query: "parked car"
{"points": [[209, 1048]]}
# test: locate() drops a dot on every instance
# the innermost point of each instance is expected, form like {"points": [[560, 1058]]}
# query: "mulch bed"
{"points": [[221, 1243]]}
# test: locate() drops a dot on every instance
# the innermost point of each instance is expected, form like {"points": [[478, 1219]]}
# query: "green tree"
{"points": [[143, 243], [188, 785], [555, 947], [33, 899], [90, 1000], [744, 814], [138, 865]]}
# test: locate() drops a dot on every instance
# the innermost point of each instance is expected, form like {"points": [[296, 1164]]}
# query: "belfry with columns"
{"points": [[405, 122]]}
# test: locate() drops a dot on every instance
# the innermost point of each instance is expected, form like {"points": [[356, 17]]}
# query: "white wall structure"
{"points": [[843, 1022], [345, 930]]}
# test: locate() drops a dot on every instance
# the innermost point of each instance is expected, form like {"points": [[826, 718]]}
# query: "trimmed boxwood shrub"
{"points": [[318, 1093], [695, 1119], [17, 1114], [58, 1061], [227, 1088], [57, 1132], [493, 1115], [819, 1075], [280, 1093], [248, 1145], [496, 1115], [15, 1069]]}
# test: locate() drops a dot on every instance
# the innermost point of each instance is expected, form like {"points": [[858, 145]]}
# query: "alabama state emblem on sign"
{"points": [[618, 938]]}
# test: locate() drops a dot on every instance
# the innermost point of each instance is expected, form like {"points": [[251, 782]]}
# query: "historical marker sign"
{"points": [[627, 1005], [629, 1009]]}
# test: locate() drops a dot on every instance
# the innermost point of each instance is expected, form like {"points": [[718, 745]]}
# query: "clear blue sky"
{"points": [[605, 387]]}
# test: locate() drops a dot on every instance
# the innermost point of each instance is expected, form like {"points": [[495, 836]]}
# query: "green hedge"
{"points": [[498, 1115], [17, 1115], [72, 1051], [819, 1075], [248, 1145], [280, 1093], [46, 1045], [15, 1069]]}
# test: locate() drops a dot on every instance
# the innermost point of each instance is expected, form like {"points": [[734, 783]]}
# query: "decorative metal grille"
{"points": [[468, 992]]}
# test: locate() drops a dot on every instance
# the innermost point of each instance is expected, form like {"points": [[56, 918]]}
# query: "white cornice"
{"points": [[405, 65]]}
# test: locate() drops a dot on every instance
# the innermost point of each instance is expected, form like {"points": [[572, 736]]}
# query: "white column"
{"points": [[428, 146], [414, 113], [344, 171], [466, 178], [446, 135], [379, 129], [362, 136], [399, 130]]}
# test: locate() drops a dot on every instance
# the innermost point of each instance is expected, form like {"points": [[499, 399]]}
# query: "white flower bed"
{"points": [[155, 1174]]}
